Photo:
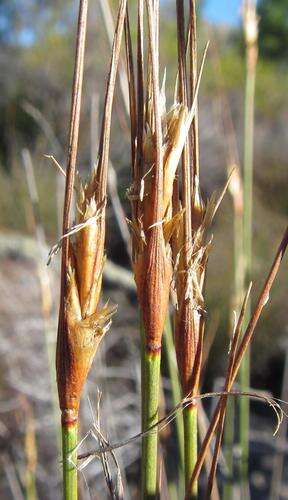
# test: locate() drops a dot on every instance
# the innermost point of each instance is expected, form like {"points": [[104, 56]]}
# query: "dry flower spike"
{"points": [[82, 321], [146, 229], [87, 320]]}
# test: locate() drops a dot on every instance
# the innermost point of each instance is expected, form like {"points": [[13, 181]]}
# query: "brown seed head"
{"points": [[86, 321], [188, 283], [151, 249], [82, 323]]}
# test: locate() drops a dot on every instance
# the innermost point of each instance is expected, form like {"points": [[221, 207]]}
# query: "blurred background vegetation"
{"points": [[36, 58]]}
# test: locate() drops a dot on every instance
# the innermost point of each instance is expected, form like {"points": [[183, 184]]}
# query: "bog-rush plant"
{"points": [[170, 246], [189, 316], [190, 245], [157, 138], [83, 321]]}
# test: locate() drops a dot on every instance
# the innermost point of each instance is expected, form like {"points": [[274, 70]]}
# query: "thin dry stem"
{"points": [[274, 403], [245, 342], [71, 166], [154, 49], [101, 177], [82, 323], [232, 355]]}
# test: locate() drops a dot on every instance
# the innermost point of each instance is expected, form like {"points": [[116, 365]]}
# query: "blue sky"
{"points": [[222, 11]]}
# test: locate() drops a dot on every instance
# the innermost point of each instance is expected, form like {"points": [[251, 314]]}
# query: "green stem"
{"points": [[170, 358], [150, 402], [69, 453], [238, 293], [190, 447], [244, 421], [31, 491], [228, 448], [247, 246], [169, 352]]}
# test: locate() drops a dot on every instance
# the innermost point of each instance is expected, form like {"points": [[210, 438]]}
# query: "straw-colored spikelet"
{"points": [[251, 22], [86, 320], [190, 270], [151, 250]]}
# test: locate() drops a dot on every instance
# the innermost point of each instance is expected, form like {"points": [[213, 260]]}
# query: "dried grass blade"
{"points": [[73, 135], [140, 92], [262, 300], [110, 29], [153, 51], [106, 122], [223, 403], [131, 88]]}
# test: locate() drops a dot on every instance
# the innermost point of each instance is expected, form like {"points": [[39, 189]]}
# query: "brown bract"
{"points": [[153, 271], [191, 264], [152, 260], [86, 321], [188, 345], [82, 322]]}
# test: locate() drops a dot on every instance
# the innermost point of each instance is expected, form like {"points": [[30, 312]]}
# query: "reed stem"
{"points": [[229, 432], [150, 402], [169, 352], [190, 447], [228, 448], [244, 419], [69, 443], [251, 61]]}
